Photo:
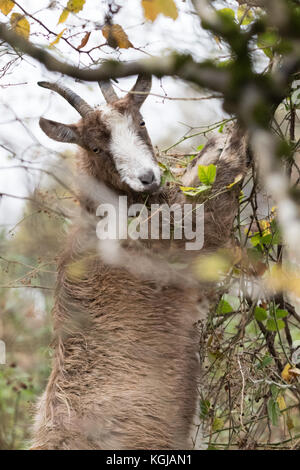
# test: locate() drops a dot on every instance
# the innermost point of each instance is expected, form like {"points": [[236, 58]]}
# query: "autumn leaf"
{"points": [[211, 268], [20, 25], [6, 6], [116, 36], [63, 16], [152, 8], [84, 40], [281, 402], [236, 180], [56, 40], [285, 374], [74, 6]]}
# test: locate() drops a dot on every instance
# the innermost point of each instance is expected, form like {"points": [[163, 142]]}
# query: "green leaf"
{"points": [[207, 174], [273, 411], [190, 191], [255, 240], [271, 324], [228, 12], [167, 174], [248, 18], [218, 424], [260, 314], [280, 313], [224, 307], [275, 391], [204, 408], [200, 147], [265, 362], [266, 41]]}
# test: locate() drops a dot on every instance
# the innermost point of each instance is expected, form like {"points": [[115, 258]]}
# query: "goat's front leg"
{"points": [[229, 153]]}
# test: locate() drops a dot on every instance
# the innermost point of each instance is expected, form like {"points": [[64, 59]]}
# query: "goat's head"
{"points": [[117, 146]]}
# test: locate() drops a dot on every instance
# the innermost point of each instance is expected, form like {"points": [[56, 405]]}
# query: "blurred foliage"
{"points": [[27, 260], [250, 395]]}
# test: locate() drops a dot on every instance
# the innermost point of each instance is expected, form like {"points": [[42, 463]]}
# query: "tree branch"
{"points": [[204, 74]]}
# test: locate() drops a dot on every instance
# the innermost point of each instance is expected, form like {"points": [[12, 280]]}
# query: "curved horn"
{"points": [[78, 103], [107, 91], [141, 89]]}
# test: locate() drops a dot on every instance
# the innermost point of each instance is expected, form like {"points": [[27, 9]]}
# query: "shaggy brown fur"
{"points": [[125, 368]]}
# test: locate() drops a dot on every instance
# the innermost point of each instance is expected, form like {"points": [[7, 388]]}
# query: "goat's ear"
{"points": [[60, 132], [141, 89]]}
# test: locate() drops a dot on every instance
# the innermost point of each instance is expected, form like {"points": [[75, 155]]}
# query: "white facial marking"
{"points": [[131, 155]]}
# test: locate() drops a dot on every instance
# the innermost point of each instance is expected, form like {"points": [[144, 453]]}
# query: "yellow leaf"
{"points": [[63, 16], [290, 423], [285, 374], [116, 36], [56, 40], [6, 6], [212, 268], [218, 424], [20, 25], [281, 402], [77, 269], [281, 279], [75, 5], [152, 8], [236, 180]]}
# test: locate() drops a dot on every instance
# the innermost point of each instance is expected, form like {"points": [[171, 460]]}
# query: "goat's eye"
{"points": [[96, 150], [142, 124]]}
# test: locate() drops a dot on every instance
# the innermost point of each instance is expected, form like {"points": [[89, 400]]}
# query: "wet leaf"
{"points": [[6, 6], [20, 25], [152, 8], [116, 36]]}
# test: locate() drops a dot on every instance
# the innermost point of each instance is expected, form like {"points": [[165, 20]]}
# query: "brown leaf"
{"points": [[84, 40]]}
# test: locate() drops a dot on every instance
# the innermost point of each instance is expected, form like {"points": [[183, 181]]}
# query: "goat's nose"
{"points": [[147, 177]]}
